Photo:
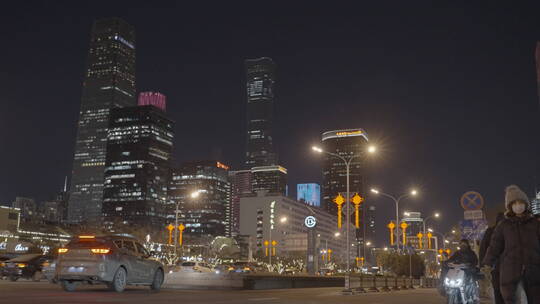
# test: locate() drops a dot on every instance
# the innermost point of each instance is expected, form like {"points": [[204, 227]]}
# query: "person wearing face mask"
{"points": [[515, 245]]}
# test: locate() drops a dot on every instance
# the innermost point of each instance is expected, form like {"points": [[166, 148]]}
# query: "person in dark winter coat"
{"points": [[495, 275], [515, 243], [465, 255]]}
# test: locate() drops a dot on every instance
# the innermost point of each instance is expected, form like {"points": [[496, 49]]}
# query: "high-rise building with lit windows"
{"points": [[344, 143], [269, 179], [209, 213], [153, 98], [260, 75], [137, 167], [109, 82]]}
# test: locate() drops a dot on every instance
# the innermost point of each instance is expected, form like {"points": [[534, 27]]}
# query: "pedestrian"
{"points": [[495, 275], [515, 244]]}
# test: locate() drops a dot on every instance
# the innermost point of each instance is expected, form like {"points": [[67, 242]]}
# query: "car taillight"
{"points": [[21, 265], [100, 250], [62, 250]]}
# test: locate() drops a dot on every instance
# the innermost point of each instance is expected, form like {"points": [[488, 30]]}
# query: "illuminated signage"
{"points": [[3, 246], [20, 247], [349, 133], [222, 166], [310, 221], [272, 214]]}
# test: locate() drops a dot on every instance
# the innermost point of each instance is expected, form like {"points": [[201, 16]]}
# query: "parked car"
{"points": [[27, 266], [114, 260], [3, 259], [223, 268], [244, 267], [193, 266]]}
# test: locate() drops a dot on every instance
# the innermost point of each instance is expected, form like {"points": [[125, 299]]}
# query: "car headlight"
{"points": [[217, 271]]}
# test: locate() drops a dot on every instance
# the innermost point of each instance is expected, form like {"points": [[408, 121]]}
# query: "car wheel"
{"points": [[13, 278], [37, 276], [158, 280], [68, 286], [119, 281]]}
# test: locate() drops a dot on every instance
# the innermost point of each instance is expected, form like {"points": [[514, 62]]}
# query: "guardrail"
{"points": [[359, 284]]}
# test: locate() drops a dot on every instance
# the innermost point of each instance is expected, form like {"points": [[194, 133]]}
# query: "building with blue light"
{"points": [[309, 194]]}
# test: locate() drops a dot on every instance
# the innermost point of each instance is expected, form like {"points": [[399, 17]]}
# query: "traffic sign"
{"points": [[472, 200], [473, 214], [310, 221], [473, 229]]}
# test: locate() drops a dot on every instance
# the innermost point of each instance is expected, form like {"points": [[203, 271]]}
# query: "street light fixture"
{"points": [[413, 192], [347, 161], [195, 194]]}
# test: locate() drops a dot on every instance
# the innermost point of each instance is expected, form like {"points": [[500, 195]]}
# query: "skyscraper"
{"points": [[137, 167], [260, 75], [269, 179], [153, 98], [208, 214], [344, 143], [109, 82], [240, 187], [537, 57]]}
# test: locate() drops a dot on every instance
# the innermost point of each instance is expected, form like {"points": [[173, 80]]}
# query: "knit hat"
{"points": [[513, 193]]}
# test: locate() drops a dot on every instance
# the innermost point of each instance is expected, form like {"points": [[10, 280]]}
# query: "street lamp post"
{"points": [[347, 162], [282, 220], [396, 201], [424, 221], [193, 195]]}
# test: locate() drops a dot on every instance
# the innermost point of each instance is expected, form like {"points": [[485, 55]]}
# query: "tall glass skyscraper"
{"points": [[109, 82], [139, 149], [344, 143], [260, 75]]}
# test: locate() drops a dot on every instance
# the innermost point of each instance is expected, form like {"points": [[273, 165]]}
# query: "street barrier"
{"points": [[359, 283]]}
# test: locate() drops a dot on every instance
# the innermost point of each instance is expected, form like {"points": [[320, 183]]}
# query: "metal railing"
{"points": [[382, 283]]}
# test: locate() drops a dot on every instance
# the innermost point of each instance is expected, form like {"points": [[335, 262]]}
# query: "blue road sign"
{"points": [[473, 229]]}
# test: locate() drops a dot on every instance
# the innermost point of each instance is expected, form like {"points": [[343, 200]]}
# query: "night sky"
{"points": [[448, 93]]}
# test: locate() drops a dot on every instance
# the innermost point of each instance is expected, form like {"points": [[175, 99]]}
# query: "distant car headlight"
{"points": [[217, 271]]}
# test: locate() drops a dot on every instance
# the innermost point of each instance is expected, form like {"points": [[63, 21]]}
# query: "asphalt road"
{"points": [[22, 291]]}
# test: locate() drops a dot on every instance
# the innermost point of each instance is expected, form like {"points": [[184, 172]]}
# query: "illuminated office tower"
{"points": [[138, 163], [260, 75], [109, 82]]}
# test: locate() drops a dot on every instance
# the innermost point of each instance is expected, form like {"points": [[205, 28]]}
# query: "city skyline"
{"points": [[404, 109]]}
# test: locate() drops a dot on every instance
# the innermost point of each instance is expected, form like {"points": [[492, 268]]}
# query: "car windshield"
{"points": [[188, 264]]}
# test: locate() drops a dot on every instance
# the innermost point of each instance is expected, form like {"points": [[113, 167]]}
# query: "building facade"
{"points": [[207, 215], [28, 208], [10, 218], [155, 99], [137, 169], [309, 194], [240, 186], [261, 216], [109, 82], [260, 78], [345, 143], [269, 179]]}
